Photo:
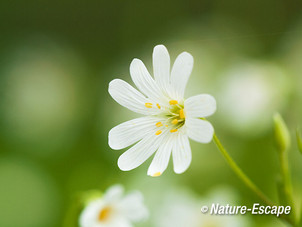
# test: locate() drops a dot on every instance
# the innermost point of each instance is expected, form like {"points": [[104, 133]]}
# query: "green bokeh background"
{"points": [[57, 58]]}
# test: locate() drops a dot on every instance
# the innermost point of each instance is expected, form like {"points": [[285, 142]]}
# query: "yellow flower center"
{"points": [[182, 114], [104, 214], [175, 118], [174, 114]]}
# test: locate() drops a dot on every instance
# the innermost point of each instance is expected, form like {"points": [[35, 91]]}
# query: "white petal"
{"points": [[161, 159], [89, 215], [181, 153], [144, 81], [127, 96], [140, 152], [180, 73], [132, 206], [161, 66], [199, 130], [130, 132], [116, 221], [114, 193], [200, 106]]}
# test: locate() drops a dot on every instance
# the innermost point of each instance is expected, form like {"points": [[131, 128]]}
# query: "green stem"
{"points": [[246, 180], [241, 174], [287, 185]]}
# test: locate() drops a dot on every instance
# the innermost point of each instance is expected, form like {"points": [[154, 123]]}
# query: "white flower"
{"points": [[114, 209], [170, 119], [252, 92], [183, 208]]}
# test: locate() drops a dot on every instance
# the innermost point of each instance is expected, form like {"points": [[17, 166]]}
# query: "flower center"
{"points": [[104, 214], [175, 117]]}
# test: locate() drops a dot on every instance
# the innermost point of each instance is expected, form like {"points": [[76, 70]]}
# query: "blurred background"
{"points": [[57, 58]]}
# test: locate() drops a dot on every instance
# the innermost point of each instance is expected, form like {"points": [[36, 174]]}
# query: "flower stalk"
{"points": [[283, 140], [299, 140], [246, 180], [240, 173], [287, 185]]}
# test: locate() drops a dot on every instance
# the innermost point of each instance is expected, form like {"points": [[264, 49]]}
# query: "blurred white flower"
{"points": [[182, 209], [114, 209], [42, 96], [291, 54], [170, 118], [250, 94]]}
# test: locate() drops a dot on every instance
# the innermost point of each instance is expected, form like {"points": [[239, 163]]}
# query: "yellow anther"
{"points": [[148, 105], [156, 174], [173, 130], [173, 102], [158, 132], [159, 124], [182, 114], [166, 125], [104, 213], [158, 106], [175, 121]]}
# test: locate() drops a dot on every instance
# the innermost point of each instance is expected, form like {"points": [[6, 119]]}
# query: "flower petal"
{"points": [[127, 96], [181, 153], [114, 193], [161, 66], [90, 212], [117, 220], [140, 152], [200, 106], [129, 132], [144, 81], [161, 159], [199, 130], [180, 73], [132, 206]]}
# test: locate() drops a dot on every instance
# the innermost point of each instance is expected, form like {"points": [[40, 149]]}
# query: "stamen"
{"points": [[148, 105], [173, 130], [158, 106], [173, 102], [166, 125], [156, 174], [159, 124], [104, 213], [175, 121], [158, 132], [182, 114]]}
